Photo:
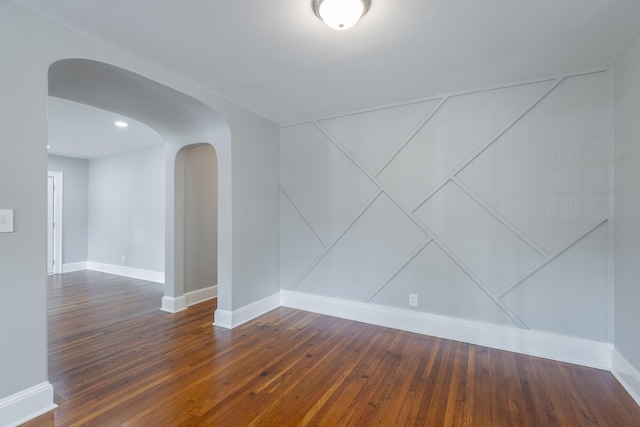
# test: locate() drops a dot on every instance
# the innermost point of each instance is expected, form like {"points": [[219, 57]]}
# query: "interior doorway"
{"points": [[200, 223], [181, 120], [54, 222]]}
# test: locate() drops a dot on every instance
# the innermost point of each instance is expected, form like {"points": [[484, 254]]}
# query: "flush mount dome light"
{"points": [[121, 124], [341, 14]]}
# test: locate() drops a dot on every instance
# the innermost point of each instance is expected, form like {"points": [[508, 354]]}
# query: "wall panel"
{"points": [[300, 245], [374, 137], [484, 204], [458, 129], [568, 296], [549, 172], [328, 188], [380, 240]]}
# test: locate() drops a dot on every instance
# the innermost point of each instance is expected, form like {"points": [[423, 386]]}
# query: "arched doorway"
{"points": [[182, 121], [196, 220]]}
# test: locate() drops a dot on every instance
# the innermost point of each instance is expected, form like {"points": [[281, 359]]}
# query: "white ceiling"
{"points": [[78, 130], [277, 59]]}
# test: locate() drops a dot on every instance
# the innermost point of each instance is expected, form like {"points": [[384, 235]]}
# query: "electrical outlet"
{"points": [[6, 220], [413, 300], [124, 258]]}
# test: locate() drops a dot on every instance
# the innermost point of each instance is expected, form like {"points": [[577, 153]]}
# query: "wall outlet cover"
{"points": [[6, 220], [413, 300]]}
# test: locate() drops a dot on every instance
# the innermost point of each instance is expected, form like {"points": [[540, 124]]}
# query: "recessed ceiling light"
{"points": [[122, 124]]}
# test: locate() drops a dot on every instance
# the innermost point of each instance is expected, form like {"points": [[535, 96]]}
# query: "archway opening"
{"points": [[182, 121], [197, 200]]}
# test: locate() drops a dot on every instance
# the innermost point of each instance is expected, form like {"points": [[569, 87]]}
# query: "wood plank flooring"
{"points": [[116, 360]]}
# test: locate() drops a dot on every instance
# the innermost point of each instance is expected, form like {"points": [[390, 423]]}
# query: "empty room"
{"points": [[320, 212]]}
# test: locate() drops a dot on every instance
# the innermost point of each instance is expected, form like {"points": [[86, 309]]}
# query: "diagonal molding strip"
{"points": [[521, 234], [428, 232], [452, 176], [328, 248], [375, 180], [486, 144], [398, 269], [462, 266], [571, 242], [303, 216], [409, 137]]}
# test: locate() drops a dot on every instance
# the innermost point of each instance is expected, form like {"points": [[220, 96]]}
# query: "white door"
{"points": [[50, 225], [54, 223]]}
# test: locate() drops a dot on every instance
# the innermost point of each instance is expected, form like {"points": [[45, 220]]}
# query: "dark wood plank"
{"points": [[116, 359]]}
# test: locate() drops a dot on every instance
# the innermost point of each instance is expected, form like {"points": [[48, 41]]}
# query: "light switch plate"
{"points": [[6, 220]]}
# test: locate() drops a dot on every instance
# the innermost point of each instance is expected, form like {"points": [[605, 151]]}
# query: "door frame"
{"points": [[57, 219]]}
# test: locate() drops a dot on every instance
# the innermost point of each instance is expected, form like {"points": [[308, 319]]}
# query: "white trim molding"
{"points": [[231, 319], [626, 374], [58, 186], [26, 404], [562, 348], [177, 304], [134, 273], [201, 295], [74, 266], [173, 304]]}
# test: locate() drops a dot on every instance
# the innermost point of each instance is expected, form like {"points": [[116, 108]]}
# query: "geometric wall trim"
{"points": [[352, 270], [574, 282], [484, 204], [372, 137], [300, 244], [557, 180], [485, 245], [327, 187], [458, 129], [443, 289]]}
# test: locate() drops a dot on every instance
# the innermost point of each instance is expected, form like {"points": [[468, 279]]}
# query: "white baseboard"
{"points": [[201, 295], [231, 319], [134, 273], [173, 304], [27, 404], [626, 374], [74, 266], [176, 304], [551, 346]]}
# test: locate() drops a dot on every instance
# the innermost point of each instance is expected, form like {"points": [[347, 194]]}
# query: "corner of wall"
{"points": [[27, 404], [231, 319], [173, 305], [626, 374]]}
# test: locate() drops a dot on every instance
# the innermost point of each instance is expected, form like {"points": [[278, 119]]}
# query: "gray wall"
{"points": [[201, 218], [256, 213], [75, 207], [250, 232], [126, 209], [627, 205], [491, 206], [23, 168]]}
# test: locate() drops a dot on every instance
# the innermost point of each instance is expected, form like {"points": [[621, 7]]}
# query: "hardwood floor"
{"points": [[116, 360]]}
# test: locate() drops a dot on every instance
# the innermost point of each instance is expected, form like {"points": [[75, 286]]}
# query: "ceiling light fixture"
{"points": [[341, 14], [122, 124]]}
